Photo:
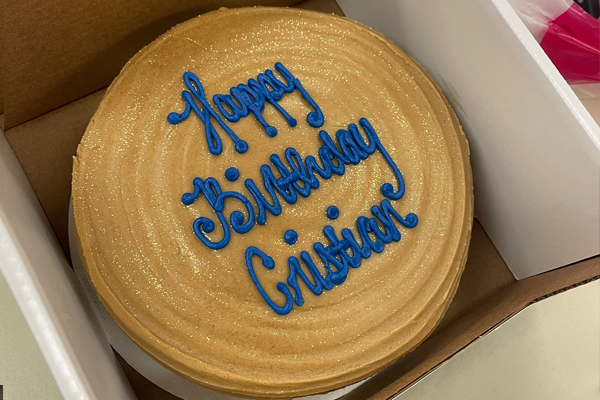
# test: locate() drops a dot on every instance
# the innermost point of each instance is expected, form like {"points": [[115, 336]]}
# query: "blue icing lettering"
{"points": [[243, 100], [290, 236], [298, 177], [333, 212], [288, 178], [268, 263], [335, 255], [206, 115], [232, 174], [211, 190]]}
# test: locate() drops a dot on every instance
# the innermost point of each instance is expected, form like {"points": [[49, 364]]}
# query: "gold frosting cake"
{"points": [[273, 202]]}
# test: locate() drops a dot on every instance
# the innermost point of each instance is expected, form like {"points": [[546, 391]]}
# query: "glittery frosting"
{"points": [[196, 310]]}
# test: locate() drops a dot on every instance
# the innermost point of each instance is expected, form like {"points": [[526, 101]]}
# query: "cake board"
{"points": [[143, 363]]}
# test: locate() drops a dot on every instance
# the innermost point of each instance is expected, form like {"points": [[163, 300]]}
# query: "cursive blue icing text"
{"points": [[290, 236], [232, 174], [287, 178], [333, 212], [268, 263], [374, 234], [244, 99], [211, 190], [298, 177]]}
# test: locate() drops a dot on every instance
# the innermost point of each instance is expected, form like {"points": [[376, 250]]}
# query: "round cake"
{"points": [[273, 202]]}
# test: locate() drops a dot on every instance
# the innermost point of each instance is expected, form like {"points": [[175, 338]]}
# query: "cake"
{"points": [[273, 202]]}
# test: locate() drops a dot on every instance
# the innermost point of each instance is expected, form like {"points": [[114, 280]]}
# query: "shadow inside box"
{"points": [[143, 388]]}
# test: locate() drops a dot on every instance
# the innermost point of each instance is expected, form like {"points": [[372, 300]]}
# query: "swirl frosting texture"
{"points": [[196, 310]]}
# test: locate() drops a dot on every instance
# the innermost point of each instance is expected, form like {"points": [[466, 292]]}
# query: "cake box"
{"points": [[52, 94]]}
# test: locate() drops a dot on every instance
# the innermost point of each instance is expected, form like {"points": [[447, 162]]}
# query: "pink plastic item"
{"points": [[572, 42]]}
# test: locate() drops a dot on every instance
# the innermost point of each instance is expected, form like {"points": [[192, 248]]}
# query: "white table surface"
{"points": [[23, 370], [549, 351]]}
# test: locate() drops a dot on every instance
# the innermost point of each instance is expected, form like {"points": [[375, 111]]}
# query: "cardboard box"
{"points": [[55, 75]]}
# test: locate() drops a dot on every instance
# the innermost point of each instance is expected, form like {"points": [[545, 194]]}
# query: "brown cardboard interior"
{"points": [[59, 51], [1, 80], [488, 294], [2, 72]]}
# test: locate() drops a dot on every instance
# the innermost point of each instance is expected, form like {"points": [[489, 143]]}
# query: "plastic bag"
{"points": [[568, 34]]}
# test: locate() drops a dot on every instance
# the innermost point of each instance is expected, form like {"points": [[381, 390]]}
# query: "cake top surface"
{"points": [[273, 202]]}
